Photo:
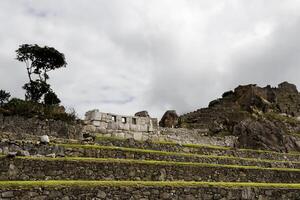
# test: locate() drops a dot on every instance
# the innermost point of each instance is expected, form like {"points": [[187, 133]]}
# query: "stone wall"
{"points": [[117, 169], [102, 122], [62, 150], [177, 135], [203, 150], [21, 126], [148, 192]]}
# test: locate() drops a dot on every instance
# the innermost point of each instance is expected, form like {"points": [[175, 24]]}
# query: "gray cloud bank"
{"points": [[129, 55]]}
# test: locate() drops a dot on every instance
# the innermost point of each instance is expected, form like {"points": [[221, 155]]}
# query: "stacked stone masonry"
{"points": [[21, 126], [62, 150], [150, 192], [118, 169], [101, 122]]}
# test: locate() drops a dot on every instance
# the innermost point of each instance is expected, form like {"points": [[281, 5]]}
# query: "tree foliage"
{"points": [[51, 98], [35, 90], [4, 97], [39, 61]]}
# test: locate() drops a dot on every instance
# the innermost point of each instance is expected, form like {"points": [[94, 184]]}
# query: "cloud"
{"points": [[126, 56]]}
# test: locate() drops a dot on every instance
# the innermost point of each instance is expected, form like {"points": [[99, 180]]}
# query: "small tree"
{"points": [[39, 61], [51, 98], [4, 97]]}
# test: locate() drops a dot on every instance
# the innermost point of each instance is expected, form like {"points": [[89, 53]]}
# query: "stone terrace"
{"points": [[112, 168]]}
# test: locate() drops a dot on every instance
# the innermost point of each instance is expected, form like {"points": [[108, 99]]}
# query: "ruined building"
{"points": [[103, 122]]}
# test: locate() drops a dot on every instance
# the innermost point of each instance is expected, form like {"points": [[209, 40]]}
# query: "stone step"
{"points": [[124, 190], [199, 149], [41, 168], [97, 151]]}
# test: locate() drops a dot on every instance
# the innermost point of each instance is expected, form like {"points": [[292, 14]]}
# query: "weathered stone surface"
{"points": [[143, 113], [35, 126], [103, 122], [23, 153], [169, 119], [61, 151], [153, 192], [7, 194], [281, 107], [263, 134], [45, 139], [87, 169]]}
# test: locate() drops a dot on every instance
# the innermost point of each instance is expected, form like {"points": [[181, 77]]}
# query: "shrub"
{"points": [[33, 109], [4, 97], [51, 98]]}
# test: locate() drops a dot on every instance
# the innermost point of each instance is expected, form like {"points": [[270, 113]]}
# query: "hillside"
{"points": [[262, 118], [245, 145]]}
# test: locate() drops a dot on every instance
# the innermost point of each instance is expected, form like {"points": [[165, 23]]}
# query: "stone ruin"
{"points": [[102, 122], [205, 166]]}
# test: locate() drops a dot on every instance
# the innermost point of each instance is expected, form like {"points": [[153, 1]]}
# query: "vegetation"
{"points": [[168, 153], [51, 98], [85, 184], [152, 162], [205, 146], [39, 61], [4, 97], [31, 109], [282, 118]]}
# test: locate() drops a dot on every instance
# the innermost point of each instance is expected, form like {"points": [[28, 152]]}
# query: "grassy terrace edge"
{"points": [[84, 184], [99, 138], [169, 153], [149, 162]]}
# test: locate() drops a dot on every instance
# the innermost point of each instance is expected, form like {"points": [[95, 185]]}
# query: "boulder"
{"points": [[44, 139], [23, 153], [11, 154], [169, 119], [143, 113]]}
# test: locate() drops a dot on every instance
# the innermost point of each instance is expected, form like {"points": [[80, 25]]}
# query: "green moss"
{"points": [[151, 162], [87, 184]]}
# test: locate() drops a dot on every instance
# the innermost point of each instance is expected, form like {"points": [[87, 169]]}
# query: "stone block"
{"points": [[137, 136], [96, 123], [119, 135]]}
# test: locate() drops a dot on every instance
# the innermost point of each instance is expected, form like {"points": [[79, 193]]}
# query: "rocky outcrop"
{"points": [[169, 119], [254, 114], [264, 134]]}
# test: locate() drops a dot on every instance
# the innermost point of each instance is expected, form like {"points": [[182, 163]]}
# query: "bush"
{"points": [[51, 98], [4, 97], [32, 109]]}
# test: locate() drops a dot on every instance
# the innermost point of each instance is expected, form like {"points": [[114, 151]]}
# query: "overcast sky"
{"points": [[129, 55]]}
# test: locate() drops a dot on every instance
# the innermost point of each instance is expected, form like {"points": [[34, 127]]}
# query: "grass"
{"points": [[167, 153], [203, 146], [87, 184], [151, 162], [275, 116]]}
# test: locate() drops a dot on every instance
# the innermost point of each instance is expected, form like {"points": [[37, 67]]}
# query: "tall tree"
{"points": [[39, 61]]}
